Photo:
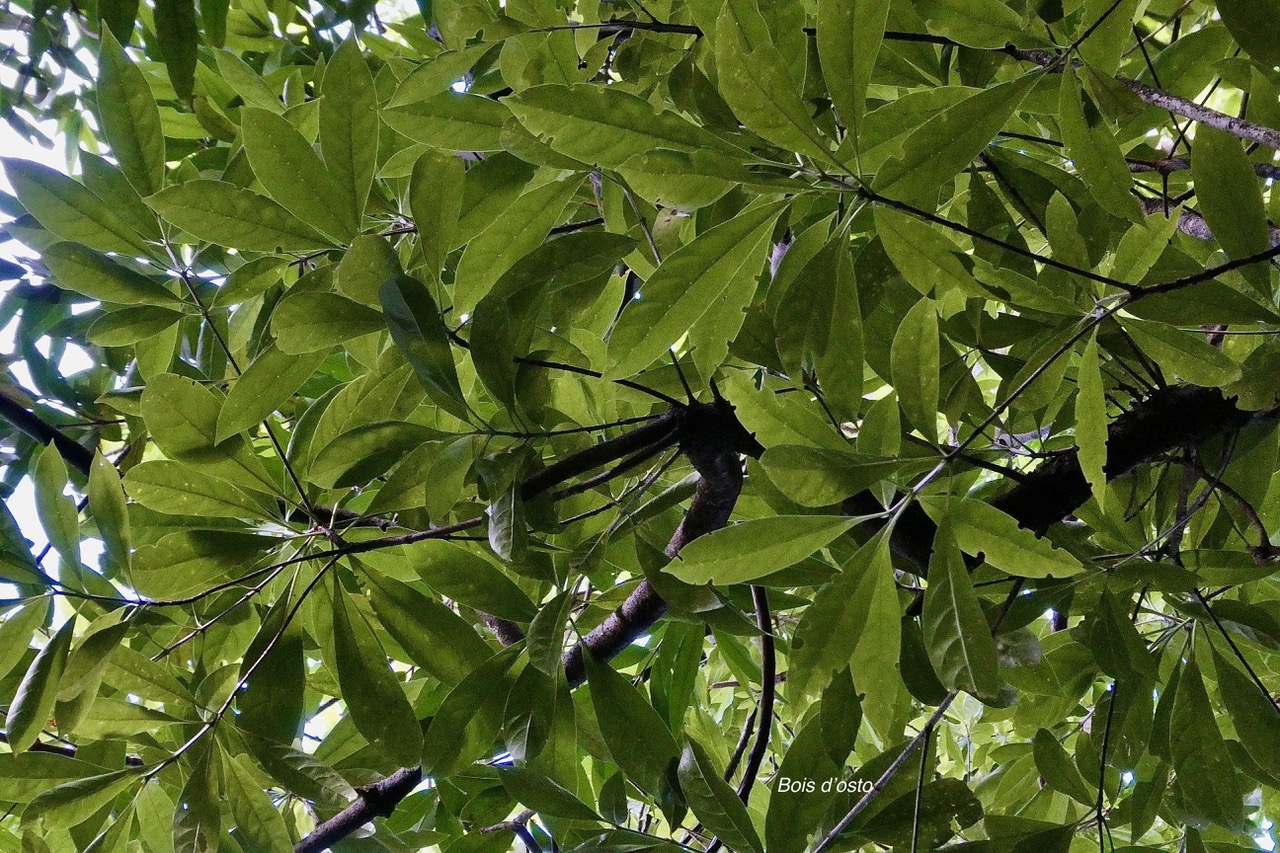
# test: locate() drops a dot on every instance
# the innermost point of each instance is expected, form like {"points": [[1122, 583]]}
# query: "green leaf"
{"points": [[197, 817], [1109, 28], [419, 331], [956, 633], [1091, 421], [468, 578], [515, 233], [1057, 768], [545, 640], [936, 151], [365, 267], [944, 805], [452, 121], [1206, 776], [191, 561], [794, 811], [16, 631], [302, 773], [182, 416], [756, 84], [56, 510], [819, 326], [985, 24], [72, 803], [270, 704], [373, 693], [147, 679], [96, 276], [26, 775], [507, 320], [626, 718], [349, 127], [257, 820], [434, 637], [1252, 23], [926, 259], [120, 16], [173, 488], [543, 795], [752, 549], [17, 563], [836, 621], [70, 210], [435, 201], [1256, 720], [849, 35], [264, 387], [32, 705], [1117, 646], [914, 359], [213, 15], [294, 175], [1094, 151], [309, 322], [701, 288], [129, 326], [130, 117], [714, 802], [368, 451], [1185, 353], [437, 74], [470, 717], [245, 82], [178, 39], [604, 125], [508, 529], [982, 529], [1229, 197], [227, 215]]}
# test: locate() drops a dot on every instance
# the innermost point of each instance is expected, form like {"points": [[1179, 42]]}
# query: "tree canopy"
{"points": [[678, 425]]}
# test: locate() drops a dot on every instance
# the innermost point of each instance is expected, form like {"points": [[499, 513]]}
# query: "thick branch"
{"points": [[1193, 225], [1170, 418], [712, 438], [377, 800], [76, 455], [1169, 165], [1237, 127]]}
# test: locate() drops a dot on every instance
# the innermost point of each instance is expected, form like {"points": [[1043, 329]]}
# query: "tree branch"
{"points": [[712, 438], [1193, 225], [768, 687], [1169, 418], [69, 751], [73, 453], [377, 800], [1237, 127]]}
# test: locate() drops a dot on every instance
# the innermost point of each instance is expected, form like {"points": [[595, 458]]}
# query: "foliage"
{"points": [[423, 346]]}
